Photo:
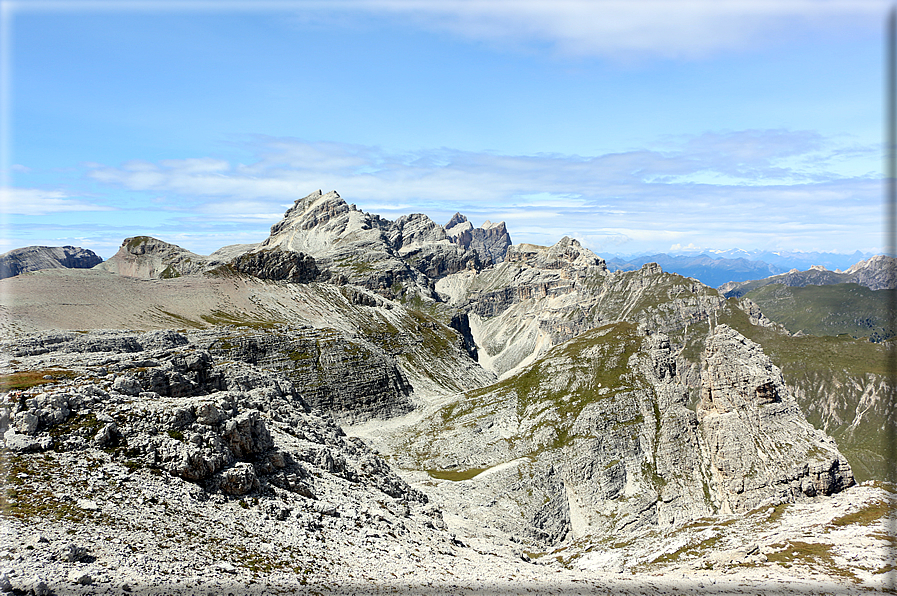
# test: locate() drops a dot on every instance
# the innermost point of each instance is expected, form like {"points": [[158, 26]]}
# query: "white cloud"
{"points": [[634, 28], [35, 201], [648, 198], [619, 29]]}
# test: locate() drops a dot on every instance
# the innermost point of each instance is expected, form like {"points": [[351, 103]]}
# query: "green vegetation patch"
{"points": [[182, 320], [137, 241], [223, 271], [552, 392], [219, 317], [356, 266], [854, 356], [690, 551], [85, 424], [22, 501], [866, 516], [456, 475], [828, 310], [33, 378], [810, 553], [169, 273], [616, 343]]}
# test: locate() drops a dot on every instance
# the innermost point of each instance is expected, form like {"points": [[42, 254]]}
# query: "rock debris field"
{"points": [[134, 473]]}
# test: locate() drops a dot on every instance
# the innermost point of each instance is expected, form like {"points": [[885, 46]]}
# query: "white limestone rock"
{"points": [[760, 446]]}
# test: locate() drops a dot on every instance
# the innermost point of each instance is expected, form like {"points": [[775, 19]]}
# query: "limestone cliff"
{"points": [[540, 297], [759, 444], [277, 265], [491, 241], [596, 438]]}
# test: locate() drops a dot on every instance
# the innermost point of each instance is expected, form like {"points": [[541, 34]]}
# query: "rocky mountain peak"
{"points": [[490, 242], [457, 220], [876, 273], [414, 230], [313, 222], [567, 253]]}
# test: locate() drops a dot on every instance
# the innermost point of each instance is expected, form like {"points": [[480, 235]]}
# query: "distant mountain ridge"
{"points": [[717, 267], [876, 273], [712, 271]]}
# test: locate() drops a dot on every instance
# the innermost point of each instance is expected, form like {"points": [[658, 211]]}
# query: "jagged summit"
{"points": [[390, 257], [457, 220]]}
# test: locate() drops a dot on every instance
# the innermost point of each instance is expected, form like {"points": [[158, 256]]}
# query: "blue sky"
{"points": [[648, 125]]}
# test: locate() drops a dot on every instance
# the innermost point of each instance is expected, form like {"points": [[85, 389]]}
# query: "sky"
{"points": [[634, 126]]}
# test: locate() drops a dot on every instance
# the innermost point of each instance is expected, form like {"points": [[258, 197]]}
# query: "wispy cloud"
{"points": [[641, 197], [35, 201], [617, 29], [628, 29]]}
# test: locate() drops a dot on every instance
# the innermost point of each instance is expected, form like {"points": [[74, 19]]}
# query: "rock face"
{"points": [[542, 296], [595, 438], [277, 265], [352, 380], [491, 241], [34, 258], [876, 273], [759, 443], [393, 258]]}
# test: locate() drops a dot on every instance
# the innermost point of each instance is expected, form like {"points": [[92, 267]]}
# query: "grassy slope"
{"points": [[827, 310]]}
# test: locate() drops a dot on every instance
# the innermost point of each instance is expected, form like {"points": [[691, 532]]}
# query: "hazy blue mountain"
{"points": [[713, 271]]}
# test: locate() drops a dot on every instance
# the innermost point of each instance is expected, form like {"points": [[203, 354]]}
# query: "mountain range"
{"points": [[361, 404]]}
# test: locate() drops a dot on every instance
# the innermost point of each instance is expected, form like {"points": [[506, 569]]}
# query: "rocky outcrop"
{"points": [[394, 258], [34, 258], [352, 380], [540, 297], [568, 254], [277, 265], [180, 410], [532, 272], [755, 315], [491, 241], [352, 246], [759, 444], [149, 258], [876, 273], [595, 438]]}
